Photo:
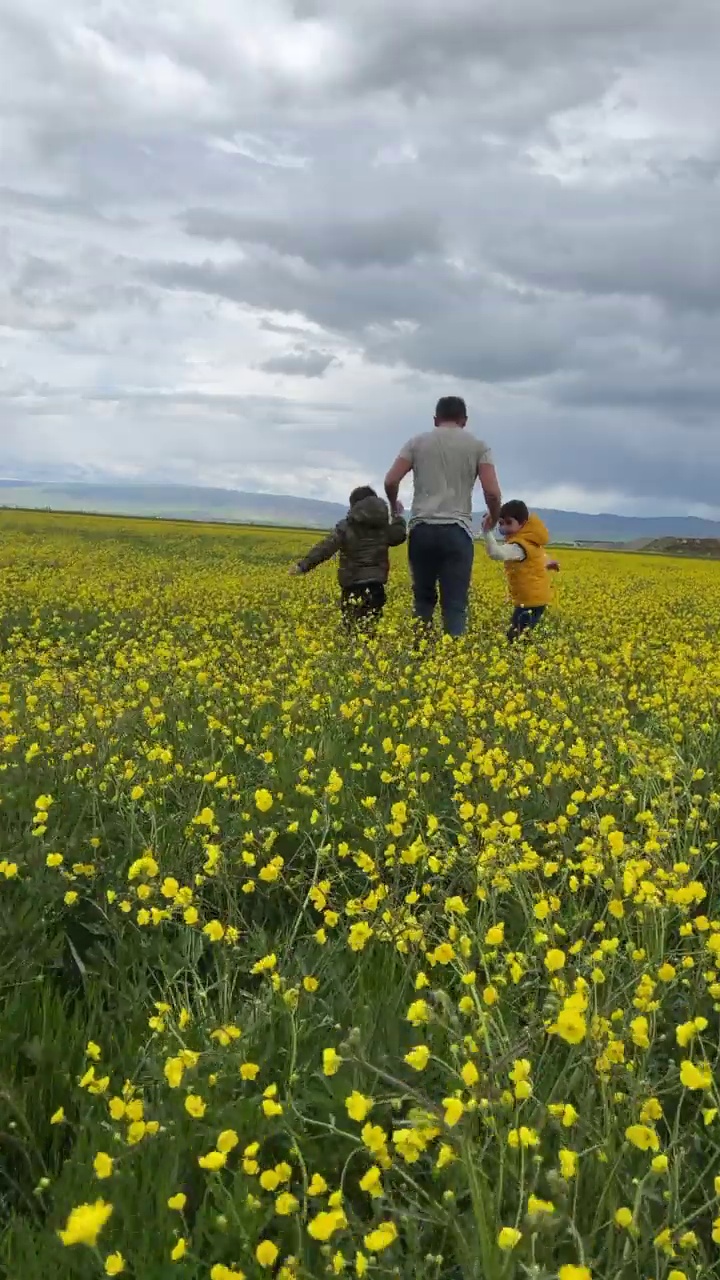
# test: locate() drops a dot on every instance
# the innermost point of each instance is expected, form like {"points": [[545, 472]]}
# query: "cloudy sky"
{"points": [[249, 244]]}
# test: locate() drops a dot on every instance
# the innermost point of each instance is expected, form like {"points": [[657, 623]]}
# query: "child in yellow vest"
{"points": [[526, 565]]}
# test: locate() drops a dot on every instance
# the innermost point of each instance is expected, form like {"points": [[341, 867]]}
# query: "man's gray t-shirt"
{"points": [[445, 465]]}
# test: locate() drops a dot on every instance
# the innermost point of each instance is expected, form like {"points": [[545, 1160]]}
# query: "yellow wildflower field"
{"points": [[330, 956]]}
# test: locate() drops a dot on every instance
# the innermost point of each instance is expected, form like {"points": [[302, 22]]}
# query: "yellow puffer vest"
{"points": [[528, 579]]}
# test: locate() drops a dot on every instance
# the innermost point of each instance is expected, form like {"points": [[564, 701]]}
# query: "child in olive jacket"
{"points": [[361, 542]]}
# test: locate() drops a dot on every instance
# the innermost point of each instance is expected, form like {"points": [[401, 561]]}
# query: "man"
{"points": [[445, 464]]}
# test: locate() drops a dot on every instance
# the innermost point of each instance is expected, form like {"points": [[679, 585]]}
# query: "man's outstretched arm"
{"points": [[491, 492], [399, 469]]}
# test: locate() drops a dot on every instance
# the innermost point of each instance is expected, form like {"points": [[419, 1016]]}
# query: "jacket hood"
{"points": [[533, 531], [370, 512]]}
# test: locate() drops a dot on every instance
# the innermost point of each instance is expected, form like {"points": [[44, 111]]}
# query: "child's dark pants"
{"points": [[524, 620], [362, 604]]}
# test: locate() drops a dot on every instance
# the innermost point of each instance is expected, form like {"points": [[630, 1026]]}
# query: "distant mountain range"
{"points": [[191, 502]]}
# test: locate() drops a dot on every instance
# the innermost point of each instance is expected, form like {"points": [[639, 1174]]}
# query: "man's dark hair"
{"points": [[514, 510], [451, 409], [363, 491]]}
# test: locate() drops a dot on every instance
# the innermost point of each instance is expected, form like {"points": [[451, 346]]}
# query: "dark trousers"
{"points": [[524, 620], [441, 560], [362, 604]]}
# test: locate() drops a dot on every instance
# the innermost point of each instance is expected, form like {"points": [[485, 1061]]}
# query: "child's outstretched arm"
{"points": [[510, 551], [322, 551], [397, 533]]}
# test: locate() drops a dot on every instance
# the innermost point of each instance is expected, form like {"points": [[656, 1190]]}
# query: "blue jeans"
{"points": [[524, 619], [441, 557]]}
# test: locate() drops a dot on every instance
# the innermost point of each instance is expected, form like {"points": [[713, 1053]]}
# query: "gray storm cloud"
{"points": [[260, 246]]}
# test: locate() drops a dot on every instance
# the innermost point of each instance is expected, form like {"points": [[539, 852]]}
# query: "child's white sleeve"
{"points": [[508, 552]]}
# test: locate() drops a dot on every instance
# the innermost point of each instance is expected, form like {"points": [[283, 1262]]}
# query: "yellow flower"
{"points": [[318, 1185], [663, 1242], [173, 1071], [454, 1111], [446, 1156], [263, 802], [651, 1110], [418, 1057], [358, 1106], [267, 1253], [332, 1062], [114, 1264], [523, 1138], [508, 1238], [286, 1204], [213, 1161], [693, 1077], [227, 1141], [624, 1217], [495, 936], [58, 1116], [639, 1032], [418, 1013], [359, 936], [537, 1207], [642, 1137], [177, 1202], [179, 1250], [659, 1164], [249, 1071], [570, 1026], [103, 1165], [443, 954], [687, 1031], [195, 1106], [573, 1272], [554, 960], [85, 1223], [372, 1182], [136, 1132], [324, 1225], [381, 1238], [470, 1074], [455, 906], [568, 1163]]}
